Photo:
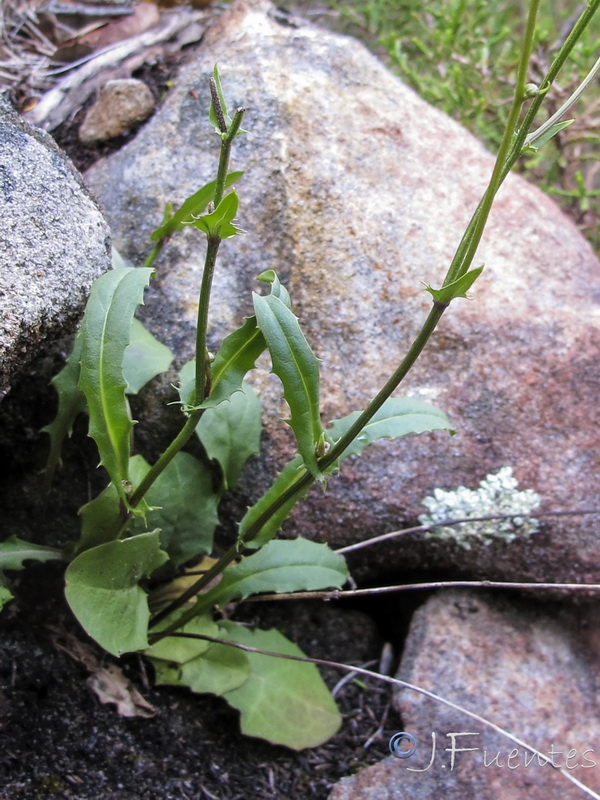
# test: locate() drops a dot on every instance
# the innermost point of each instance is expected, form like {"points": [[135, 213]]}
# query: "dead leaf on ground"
{"points": [[110, 685]]}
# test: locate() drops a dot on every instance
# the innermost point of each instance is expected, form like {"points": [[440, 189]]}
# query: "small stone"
{"points": [[121, 105]]}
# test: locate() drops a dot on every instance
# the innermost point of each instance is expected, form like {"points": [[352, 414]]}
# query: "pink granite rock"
{"points": [[534, 673]]}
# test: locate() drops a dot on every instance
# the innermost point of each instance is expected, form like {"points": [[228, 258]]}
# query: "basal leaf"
{"points": [[220, 669], [5, 594], [71, 403], [297, 367], [144, 358], [103, 592], [191, 207], [101, 519], [105, 333], [398, 417], [457, 288], [282, 565], [196, 663], [285, 702], [14, 551], [230, 433], [183, 505], [293, 470], [179, 650]]}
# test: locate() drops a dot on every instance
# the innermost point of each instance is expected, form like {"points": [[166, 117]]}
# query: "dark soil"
{"points": [[57, 741]]}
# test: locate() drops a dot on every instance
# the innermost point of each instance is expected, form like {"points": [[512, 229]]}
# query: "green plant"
{"points": [[124, 579]]}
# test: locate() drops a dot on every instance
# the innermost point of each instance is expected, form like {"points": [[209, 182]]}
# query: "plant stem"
{"points": [[465, 254], [202, 374], [349, 594], [166, 457]]}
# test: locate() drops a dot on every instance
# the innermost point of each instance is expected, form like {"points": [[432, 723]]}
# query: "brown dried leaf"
{"points": [[111, 686]]}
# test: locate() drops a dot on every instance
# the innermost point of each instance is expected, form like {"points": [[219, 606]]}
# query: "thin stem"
{"points": [[457, 266], [156, 469], [202, 369], [384, 537], [226, 142], [337, 594], [535, 135], [212, 250], [405, 685], [475, 230]]}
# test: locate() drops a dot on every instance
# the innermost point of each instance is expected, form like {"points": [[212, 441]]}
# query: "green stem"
{"points": [[226, 142], [457, 267], [201, 327], [202, 324], [470, 242], [154, 253], [156, 469]]}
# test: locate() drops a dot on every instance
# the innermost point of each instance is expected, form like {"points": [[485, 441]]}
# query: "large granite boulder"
{"points": [[533, 672], [54, 242], [356, 191]]}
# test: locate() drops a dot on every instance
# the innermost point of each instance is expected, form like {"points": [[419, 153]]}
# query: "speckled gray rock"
{"points": [[534, 673], [54, 242], [356, 191], [121, 104]]}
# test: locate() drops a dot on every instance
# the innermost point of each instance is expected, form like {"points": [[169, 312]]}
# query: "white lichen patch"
{"points": [[497, 495]]}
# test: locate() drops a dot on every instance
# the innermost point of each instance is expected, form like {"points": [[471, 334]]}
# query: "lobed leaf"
{"points": [[144, 358], [397, 417], [219, 222], [285, 702], [297, 367], [230, 433], [14, 552], [457, 288], [282, 565], [71, 403], [105, 333], [103, 592], [191, 207]]}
